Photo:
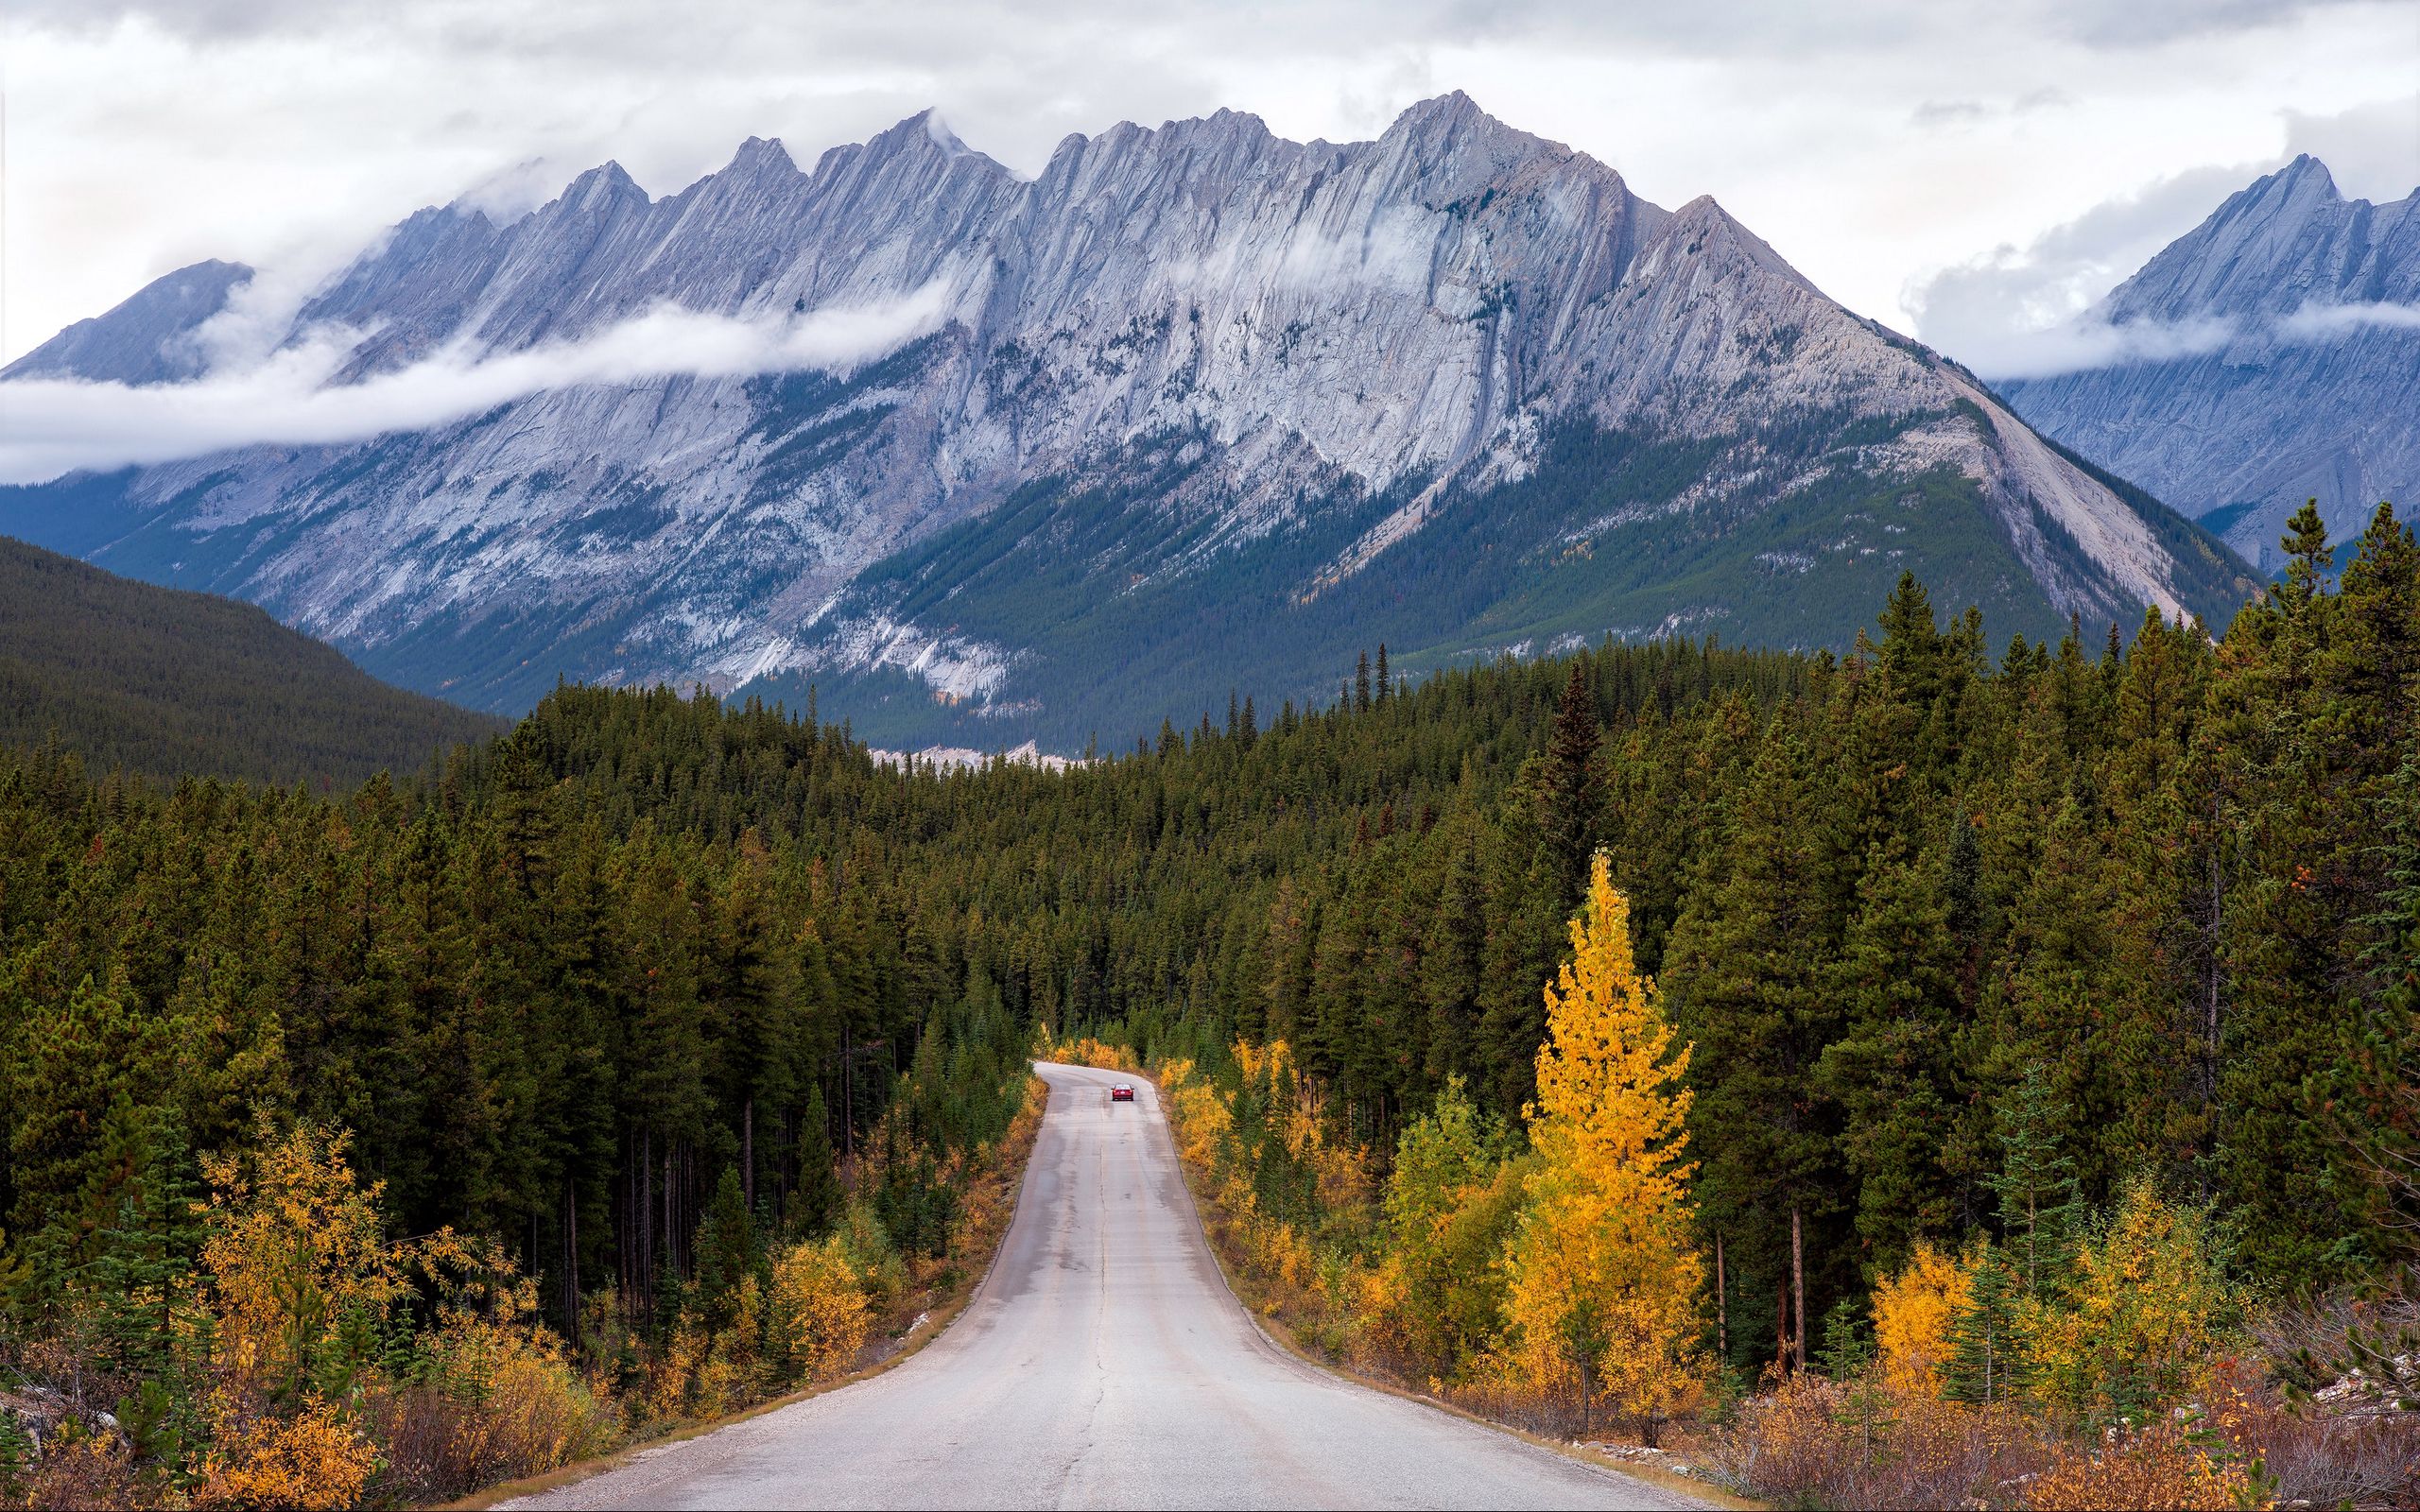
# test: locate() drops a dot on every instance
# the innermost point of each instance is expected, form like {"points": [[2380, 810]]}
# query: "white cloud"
{"points": [[2023, 312], [2326, 322], [50, 426], [2077, 345]]}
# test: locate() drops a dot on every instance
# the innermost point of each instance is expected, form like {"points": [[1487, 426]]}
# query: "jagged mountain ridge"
{"points": [[1190, 387], [2297, 394]]}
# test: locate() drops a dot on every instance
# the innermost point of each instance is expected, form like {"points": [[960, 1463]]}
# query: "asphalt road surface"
{"points": [[1104, 1362]]}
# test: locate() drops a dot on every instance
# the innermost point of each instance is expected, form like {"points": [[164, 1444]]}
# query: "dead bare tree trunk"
{"points": [[1721, 1306], [571, 1260], [1798, 1282], [1781, 1324]]}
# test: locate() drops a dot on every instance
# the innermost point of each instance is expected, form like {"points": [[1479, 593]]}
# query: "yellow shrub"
{"points": [[1379, 1295], [719, 1385], [674, 1374], [532, 1412], [293, 1244], [816, 1317], [1912, 1315], [871, 1258], [2148, 1307], [311, 1461], [91, 1472], [1278, 1252], [1202, 1122], [1086, 1052]]}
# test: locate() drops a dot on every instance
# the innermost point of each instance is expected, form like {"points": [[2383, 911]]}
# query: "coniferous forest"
{"points": [[170, 683], [670, 1019]]}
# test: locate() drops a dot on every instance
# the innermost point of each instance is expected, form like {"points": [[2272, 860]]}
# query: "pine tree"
{"points": [[728, 1250], [1569, 786], [816, 1204], [1892, 1069], [1747, 972]]}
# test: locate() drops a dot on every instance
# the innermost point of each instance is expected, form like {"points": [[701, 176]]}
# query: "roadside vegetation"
{"points": [[263, 1340], [1911, 1064]]}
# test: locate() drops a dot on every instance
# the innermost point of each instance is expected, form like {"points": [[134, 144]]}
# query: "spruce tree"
{"points": [[2042, 1208], [728, 1249], [1986, 1354]]}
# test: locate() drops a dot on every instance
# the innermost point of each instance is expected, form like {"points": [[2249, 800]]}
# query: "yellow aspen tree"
{"points": [[1601, 1304], [1914, 1314]]}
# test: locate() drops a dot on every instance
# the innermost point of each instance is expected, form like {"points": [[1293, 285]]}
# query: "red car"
{"points": [[1121, 1093]]}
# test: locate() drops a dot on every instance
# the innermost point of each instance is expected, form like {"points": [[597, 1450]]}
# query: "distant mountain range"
{"points": [[165, 683], [2299, 312], [1196, 409]]}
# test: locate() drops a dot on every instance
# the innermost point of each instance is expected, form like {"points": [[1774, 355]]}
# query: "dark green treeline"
{"points": [[645, 937]]}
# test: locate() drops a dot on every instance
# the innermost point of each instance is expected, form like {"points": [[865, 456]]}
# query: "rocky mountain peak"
{"points": [[759, 156], [606, 189], [1703, 233], [1188, 377], [2295, 309], [145, 341], [2306, 177], [1452, 147]]}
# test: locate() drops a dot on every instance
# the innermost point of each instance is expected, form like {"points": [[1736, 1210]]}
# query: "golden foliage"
{"points": [[1199, 1116], [1603, 1300], [2146, 1306], [312, 1460], [535, 1413], [817, 1315], [1913, 1313], [292, 1245], [1084, 1051], [87, 1471]]}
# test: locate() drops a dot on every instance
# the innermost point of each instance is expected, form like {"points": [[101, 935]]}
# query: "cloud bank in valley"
{"points": [[285, 397], [2086, 341]]}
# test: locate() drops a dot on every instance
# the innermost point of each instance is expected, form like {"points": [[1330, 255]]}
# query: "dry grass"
{"points": [[1809, 1440]]}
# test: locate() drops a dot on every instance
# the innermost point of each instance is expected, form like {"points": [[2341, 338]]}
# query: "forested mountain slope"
{"points": [[1197, 408], [168, 683]]}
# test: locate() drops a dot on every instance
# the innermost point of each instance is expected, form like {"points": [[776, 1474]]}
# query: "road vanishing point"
{"points": [[1103, 1363]]}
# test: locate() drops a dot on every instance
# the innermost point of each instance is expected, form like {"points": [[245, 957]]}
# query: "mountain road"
{"points": [[1103, 1362]]}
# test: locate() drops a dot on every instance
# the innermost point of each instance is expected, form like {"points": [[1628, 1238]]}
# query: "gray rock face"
{"points": [[146, 340], [1202, 363], [2309, 387]]}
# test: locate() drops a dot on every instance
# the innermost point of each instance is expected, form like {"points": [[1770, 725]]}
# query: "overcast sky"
{"points": [[1967, 169]]}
